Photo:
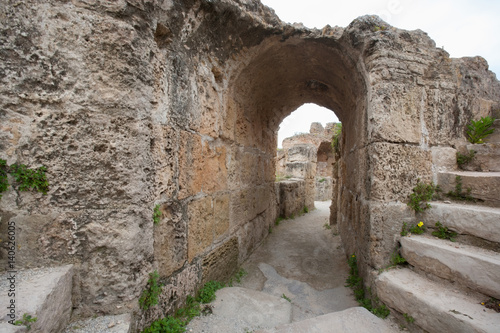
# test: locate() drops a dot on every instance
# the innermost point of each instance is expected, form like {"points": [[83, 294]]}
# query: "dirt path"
{"points": [[304, 261]]}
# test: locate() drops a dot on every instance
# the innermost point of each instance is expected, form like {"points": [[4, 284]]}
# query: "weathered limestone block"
{"points": [[292, 195], [457, 263], [479, 221], [323, 188], [304, 170], [484, 186], [395, 170], [221, 262], [301, 153], [202, 166], [43, 294], [486, 158], [170, 232], [208, 220]]}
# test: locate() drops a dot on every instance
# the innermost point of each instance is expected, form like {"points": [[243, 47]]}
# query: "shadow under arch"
{"points": [[283, 75]]}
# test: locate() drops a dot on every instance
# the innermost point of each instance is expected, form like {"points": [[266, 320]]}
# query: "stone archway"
{"points": [[174, 104]]}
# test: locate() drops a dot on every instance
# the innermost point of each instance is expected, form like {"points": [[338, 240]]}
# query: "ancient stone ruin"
{"points": [[306, 158], [143, 106]]}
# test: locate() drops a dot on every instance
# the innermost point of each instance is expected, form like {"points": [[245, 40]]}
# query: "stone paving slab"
{"points": [[352, 320], [435, 307]]}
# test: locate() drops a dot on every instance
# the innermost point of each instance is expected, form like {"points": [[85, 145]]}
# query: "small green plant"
{"points": [[207, 293], [286, 298], [458, 193], [379, 28], [190, 310], [26, 320], [150, 295], [443, 232], [397, 259], [422, 194], [305, 210], [337, 133], [322, 180], [327, 226], [30, 179], [270, 229], [278, 220], [355, 282], [478, 130], [409, 319], [166, 325], [237, 277], [292, 217], [463, 159], [416, 229], [156, 214]]}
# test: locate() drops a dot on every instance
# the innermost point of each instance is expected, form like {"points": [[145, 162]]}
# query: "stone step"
{"points": [[484, 185], [108, 324], [435, 307], [486, 158], [355, 319], [42, 293], [479, 221], [473, 267]]}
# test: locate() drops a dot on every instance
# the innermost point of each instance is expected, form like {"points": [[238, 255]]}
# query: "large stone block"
{"points": [[484, 186], [170, 239], [395, 170], [202, 166], [222, 262], [475, 268], [45, 294], [486, 158]]}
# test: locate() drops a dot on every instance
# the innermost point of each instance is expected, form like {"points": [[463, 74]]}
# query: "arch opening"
{"points": [[277, 78]]}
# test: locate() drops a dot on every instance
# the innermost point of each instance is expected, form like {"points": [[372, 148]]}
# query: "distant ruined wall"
{"points": [[138, 103]]}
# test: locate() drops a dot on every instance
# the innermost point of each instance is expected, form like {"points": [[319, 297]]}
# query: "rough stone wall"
{"points": [[138, 103]]}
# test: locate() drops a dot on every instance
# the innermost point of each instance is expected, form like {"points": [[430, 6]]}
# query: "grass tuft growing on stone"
{"points": [[355, 282]]}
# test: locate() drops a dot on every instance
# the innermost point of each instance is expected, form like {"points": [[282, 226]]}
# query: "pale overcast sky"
{"points": [[462, 27]]}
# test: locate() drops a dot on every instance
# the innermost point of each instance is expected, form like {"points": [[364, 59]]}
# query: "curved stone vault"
{"points": [[138, 103]]}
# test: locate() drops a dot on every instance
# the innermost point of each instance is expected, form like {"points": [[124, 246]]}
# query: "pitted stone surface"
{"points": [[131, 104]]}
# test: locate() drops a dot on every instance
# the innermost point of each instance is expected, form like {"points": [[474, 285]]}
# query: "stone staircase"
{"points": [[446, 284], [43, 293], [46, 293]]}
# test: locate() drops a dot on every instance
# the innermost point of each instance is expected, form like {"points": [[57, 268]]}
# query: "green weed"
{"points": [[422, 194], [409, 319], [355, 282], [26, 320], [156, 214], [458, 193], [416, 229], [463, 159], [286, 298], [479, 130], [444, 233], [150, 295]]}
